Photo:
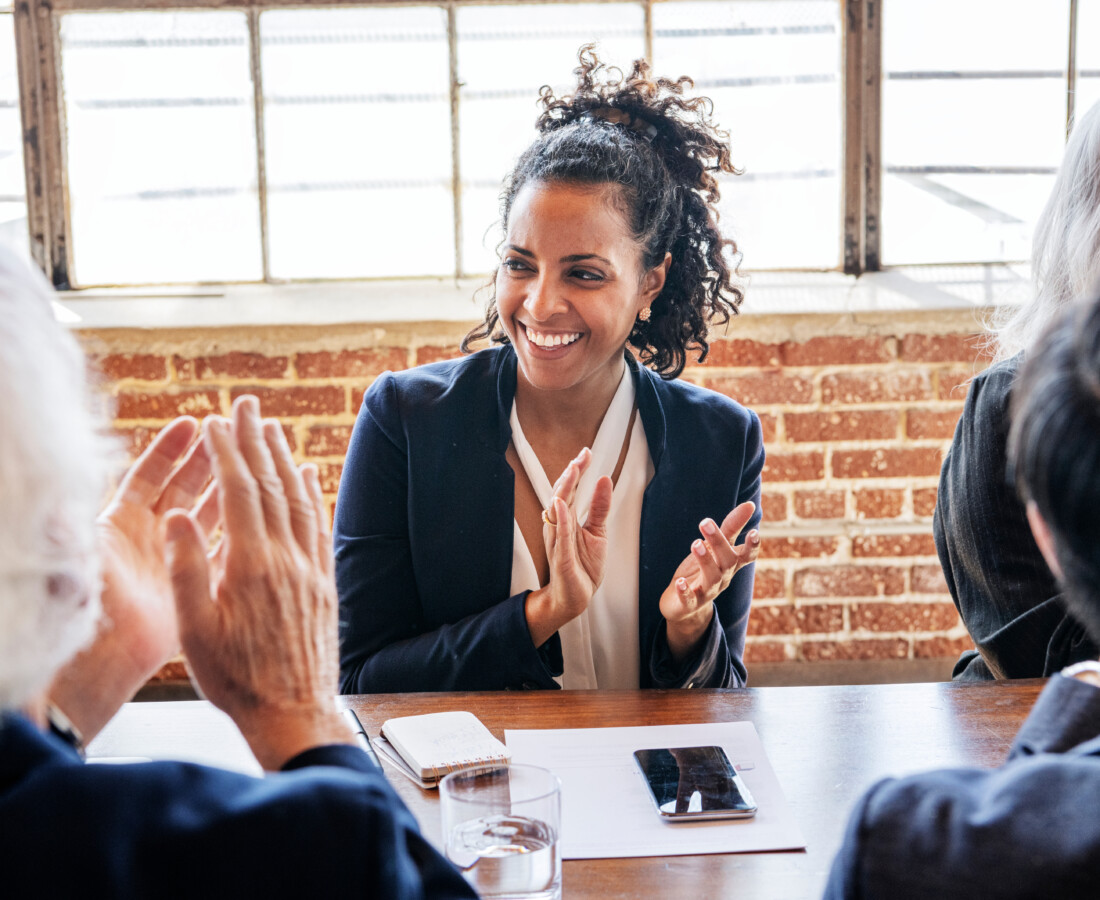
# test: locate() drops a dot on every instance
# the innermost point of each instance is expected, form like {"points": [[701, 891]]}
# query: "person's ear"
{"points": [[1043, 538], [654, 281]]}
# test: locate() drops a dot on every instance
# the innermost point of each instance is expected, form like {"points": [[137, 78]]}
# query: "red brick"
{"points": [[819, 504], [327, 440], [365, 363], [846, 425], [173, 670], [821, 651], [291, 439], [903, 616], [774, 507], [836, 351], [888, 386], [901, 462], [924, 501], [953, 384], [738, 352], [329, 475], [797, 547], [768, 425], [813, 618], [772, 620], [794, 467], [166, 405], [769, 583], [230, 365], [941, 347], [436, 354], [928, 580], [296, 401], [139, 366], [765, 652], [135, 440], [894, 545], [357, 394], [942, 647], [848, 581], [931, 423], [879, 503], [763, 388]]}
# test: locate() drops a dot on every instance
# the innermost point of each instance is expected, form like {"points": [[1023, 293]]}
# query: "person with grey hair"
{"points": [[91, 607], [1004, 590]]}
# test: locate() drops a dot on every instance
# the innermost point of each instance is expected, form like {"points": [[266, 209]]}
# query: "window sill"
{"points": [[922, 288]]}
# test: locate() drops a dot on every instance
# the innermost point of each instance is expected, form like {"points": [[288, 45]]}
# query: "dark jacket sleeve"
{"points": [[1004, 591], [390, 639], [328, 826], [1028, 829], [718, 662]]}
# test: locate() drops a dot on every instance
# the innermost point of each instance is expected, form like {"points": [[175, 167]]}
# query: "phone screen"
{"points": [[691, 783]]}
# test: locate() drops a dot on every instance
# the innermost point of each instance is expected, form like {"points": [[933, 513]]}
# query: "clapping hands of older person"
{"points": [[137, 632], [258, 619]]}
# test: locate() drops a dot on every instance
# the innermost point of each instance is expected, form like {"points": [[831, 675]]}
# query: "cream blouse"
{"points": [[600, 646]]}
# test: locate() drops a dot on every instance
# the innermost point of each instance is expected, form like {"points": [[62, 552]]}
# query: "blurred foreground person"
{"points": [[1032, 827], [87, 615]]}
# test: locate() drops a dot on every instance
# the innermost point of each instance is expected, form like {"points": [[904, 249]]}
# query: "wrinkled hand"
{"points": [[688, 602], [258, 618], [137, 633], [576, 554]]}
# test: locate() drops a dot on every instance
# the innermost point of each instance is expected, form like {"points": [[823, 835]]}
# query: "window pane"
{"points": [[772, 68], [13, 190], [1088, 55], [973, 126], [505, 54], [358, 143], [161, 147]]}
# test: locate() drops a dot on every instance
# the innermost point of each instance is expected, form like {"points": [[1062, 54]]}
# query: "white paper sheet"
{"points": [[606, 810]]}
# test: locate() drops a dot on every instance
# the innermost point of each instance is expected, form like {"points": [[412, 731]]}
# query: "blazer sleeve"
{"points": [[390, 640], [1027, 829], [718, 661]]}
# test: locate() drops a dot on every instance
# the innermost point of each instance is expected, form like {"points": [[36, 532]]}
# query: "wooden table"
{"points": [[826, 745]]}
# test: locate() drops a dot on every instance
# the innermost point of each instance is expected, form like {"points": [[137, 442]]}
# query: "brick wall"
{"points": [[858, 411]]}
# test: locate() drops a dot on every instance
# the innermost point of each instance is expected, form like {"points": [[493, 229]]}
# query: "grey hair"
{"points": [[53, 463], [1065, 259]]}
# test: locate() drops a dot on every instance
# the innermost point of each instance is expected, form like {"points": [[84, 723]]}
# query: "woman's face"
{"points": [[570, 286]]}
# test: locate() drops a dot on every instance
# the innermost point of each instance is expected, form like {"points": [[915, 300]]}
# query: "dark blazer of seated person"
{"points": [[425, 522], [1004, 590], [328, 825]]}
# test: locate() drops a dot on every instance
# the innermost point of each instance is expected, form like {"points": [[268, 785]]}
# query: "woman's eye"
{"points": [[513, 265], [586, 275]]}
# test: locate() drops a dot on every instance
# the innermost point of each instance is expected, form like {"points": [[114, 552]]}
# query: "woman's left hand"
{"points": [[688, 602]]}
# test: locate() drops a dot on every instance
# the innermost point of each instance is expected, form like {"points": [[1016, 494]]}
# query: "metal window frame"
{"points": [[37, 39]]}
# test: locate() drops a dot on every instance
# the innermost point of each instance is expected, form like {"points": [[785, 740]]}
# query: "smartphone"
{"points": [[689, 784]]}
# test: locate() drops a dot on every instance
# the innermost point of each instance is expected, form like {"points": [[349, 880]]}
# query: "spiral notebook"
{"points": [[427, 747]]}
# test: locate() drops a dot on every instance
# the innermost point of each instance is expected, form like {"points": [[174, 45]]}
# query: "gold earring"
{"points": [[644, 315]]}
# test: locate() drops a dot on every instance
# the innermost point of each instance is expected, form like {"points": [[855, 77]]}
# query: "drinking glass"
{"points": [[501, 826]]}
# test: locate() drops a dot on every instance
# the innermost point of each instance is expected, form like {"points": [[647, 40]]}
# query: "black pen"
{"points": [[364, 741]]}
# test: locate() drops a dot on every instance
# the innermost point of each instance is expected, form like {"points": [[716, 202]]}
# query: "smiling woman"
{"points": [[549, 512]]}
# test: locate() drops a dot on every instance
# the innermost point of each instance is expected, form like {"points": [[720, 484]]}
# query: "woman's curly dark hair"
{"points": [[662, 151]]}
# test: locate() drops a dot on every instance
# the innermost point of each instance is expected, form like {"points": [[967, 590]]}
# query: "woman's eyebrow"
{"points": [[520, 250], [579, 257]]}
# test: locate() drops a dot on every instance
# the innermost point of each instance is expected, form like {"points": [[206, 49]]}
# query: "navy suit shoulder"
{"points": [[332, 827], [1028, 829]]}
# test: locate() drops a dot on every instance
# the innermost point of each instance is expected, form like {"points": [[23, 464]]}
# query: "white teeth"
{"points": [[550, 340]]}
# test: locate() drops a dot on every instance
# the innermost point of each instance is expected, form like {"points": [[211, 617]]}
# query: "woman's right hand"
{"points": [[576, 554]]}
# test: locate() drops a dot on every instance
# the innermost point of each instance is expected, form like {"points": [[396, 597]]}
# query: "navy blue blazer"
{"points": [[329, 825], [1028, 829], [425, 522]]}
